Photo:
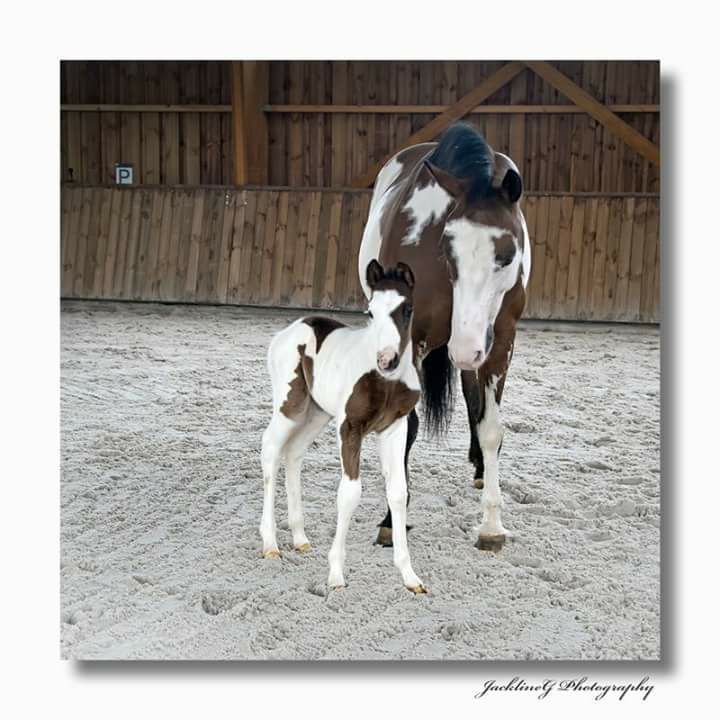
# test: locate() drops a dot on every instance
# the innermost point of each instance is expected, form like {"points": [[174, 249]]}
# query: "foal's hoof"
{"points": [[493, 543], [384, 537], [305, 547], [479, 483], [270, 554], [417, 589]]}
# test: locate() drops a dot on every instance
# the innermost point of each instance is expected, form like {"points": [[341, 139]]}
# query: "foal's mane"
{"points": [[463, 152]]}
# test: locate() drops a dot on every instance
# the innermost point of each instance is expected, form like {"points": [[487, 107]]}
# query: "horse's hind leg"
{"points": [[274, 440], [315, 422], [384, 536], [475, 402]]}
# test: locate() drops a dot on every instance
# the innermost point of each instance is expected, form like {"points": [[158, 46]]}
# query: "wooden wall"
{"points": [[595, 256], [188, 148], [555, 151]]}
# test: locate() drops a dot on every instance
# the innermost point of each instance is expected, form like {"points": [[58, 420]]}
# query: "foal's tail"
{"points": [[438, 389]]}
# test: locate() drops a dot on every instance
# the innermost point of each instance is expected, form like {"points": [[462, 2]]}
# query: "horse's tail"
{"points": [[438, 389]]}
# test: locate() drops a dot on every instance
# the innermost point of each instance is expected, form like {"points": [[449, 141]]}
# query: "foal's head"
{"points": [[390, 310]]}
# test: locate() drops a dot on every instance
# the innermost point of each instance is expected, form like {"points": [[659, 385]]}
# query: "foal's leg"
{"points": [[384, 536], [315, 422], [349, 491], [392, 443]]}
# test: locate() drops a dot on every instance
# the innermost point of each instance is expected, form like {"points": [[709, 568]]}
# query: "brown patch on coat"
{"points": [[322, 327], [374, 404], [298, 397], [504, 249]]}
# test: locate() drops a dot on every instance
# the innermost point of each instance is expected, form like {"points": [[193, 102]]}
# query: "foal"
{"points": [[364, 378]]}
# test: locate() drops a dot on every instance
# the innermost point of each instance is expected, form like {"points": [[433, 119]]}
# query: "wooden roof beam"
{"points": [[462, 107], [597, 110]]}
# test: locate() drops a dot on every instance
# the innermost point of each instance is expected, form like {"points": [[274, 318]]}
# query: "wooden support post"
{"points": [[240, 165], [600, 112], [459, 109], [256, 94]]}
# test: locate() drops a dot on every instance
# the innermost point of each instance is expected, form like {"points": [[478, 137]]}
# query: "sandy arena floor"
{"points": [[162, 413]]}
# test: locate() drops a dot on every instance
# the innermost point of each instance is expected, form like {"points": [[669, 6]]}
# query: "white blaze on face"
{"points": [[385, 332], [425, 205], [478, 290]]}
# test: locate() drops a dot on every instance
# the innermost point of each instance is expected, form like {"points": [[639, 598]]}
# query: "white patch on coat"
{"points": [[426, 205], [479, 288]]}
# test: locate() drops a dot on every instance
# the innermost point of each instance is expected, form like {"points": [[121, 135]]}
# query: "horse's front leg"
{"points": [[490, 432], [349, 491], [384, 536], [392, 444]]}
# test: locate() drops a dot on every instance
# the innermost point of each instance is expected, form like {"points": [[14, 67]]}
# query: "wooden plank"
{"points": [[294, 127], [236, 252], [551, 252], [321, 250], [518, 91], [196, 228], [575, 259], [73, 201], [484, 90], [316, 108], [118, 282], [600, 112], [90, 147], [584, 306], [162, 268], [599, 309], [610, 269], [248, 238], [226, 238], [112, 243], [258, 243], [559, 297], [204, 289], [211, 139], [649, 312], [343, 265], [82, 241], [288, 284], [276, 283], [631, 311], [332, 250], [95, 286], [256, 87], [139, 269], [190, 129], [305, 280], [301, 240], [170, 150], [150, 148], [74, 148], [624, 253], [539, 241], [268, 249]]}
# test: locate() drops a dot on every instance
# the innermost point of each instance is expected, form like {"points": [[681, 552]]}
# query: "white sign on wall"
{"points": [[123, 174]]}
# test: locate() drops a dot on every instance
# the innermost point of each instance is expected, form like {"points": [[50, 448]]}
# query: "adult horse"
{"points": [[450, 211]]}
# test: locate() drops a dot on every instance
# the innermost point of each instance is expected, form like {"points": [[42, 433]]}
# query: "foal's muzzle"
{"points": [[387, 361]]}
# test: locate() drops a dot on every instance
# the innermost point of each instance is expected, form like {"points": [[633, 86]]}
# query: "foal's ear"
{"points": [[407, 274], [506, 178], [374, 273], [455, 186]]}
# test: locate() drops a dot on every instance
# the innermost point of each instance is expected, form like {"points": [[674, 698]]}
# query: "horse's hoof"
{"points": [[479, 483], [492, 543], [417, 589], [384, 537], [305, 547], [270, 554]]}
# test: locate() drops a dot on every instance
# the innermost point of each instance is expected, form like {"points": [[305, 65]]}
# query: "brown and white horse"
{"points": [[450, 211], [363, 377]]}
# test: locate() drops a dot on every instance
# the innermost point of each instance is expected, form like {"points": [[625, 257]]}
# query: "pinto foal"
{"points": [[365, 379]]}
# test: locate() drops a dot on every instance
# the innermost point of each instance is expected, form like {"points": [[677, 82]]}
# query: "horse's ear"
{"points": [[407, 274], [374, 273], [512, 185], [457, 187], [506, 178]]}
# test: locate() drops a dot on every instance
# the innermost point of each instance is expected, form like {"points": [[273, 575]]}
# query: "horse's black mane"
{"points": [[463, 152]]}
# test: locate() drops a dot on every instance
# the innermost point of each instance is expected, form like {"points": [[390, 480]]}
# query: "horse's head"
{"points": [[482, 244], [390, 310]]}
